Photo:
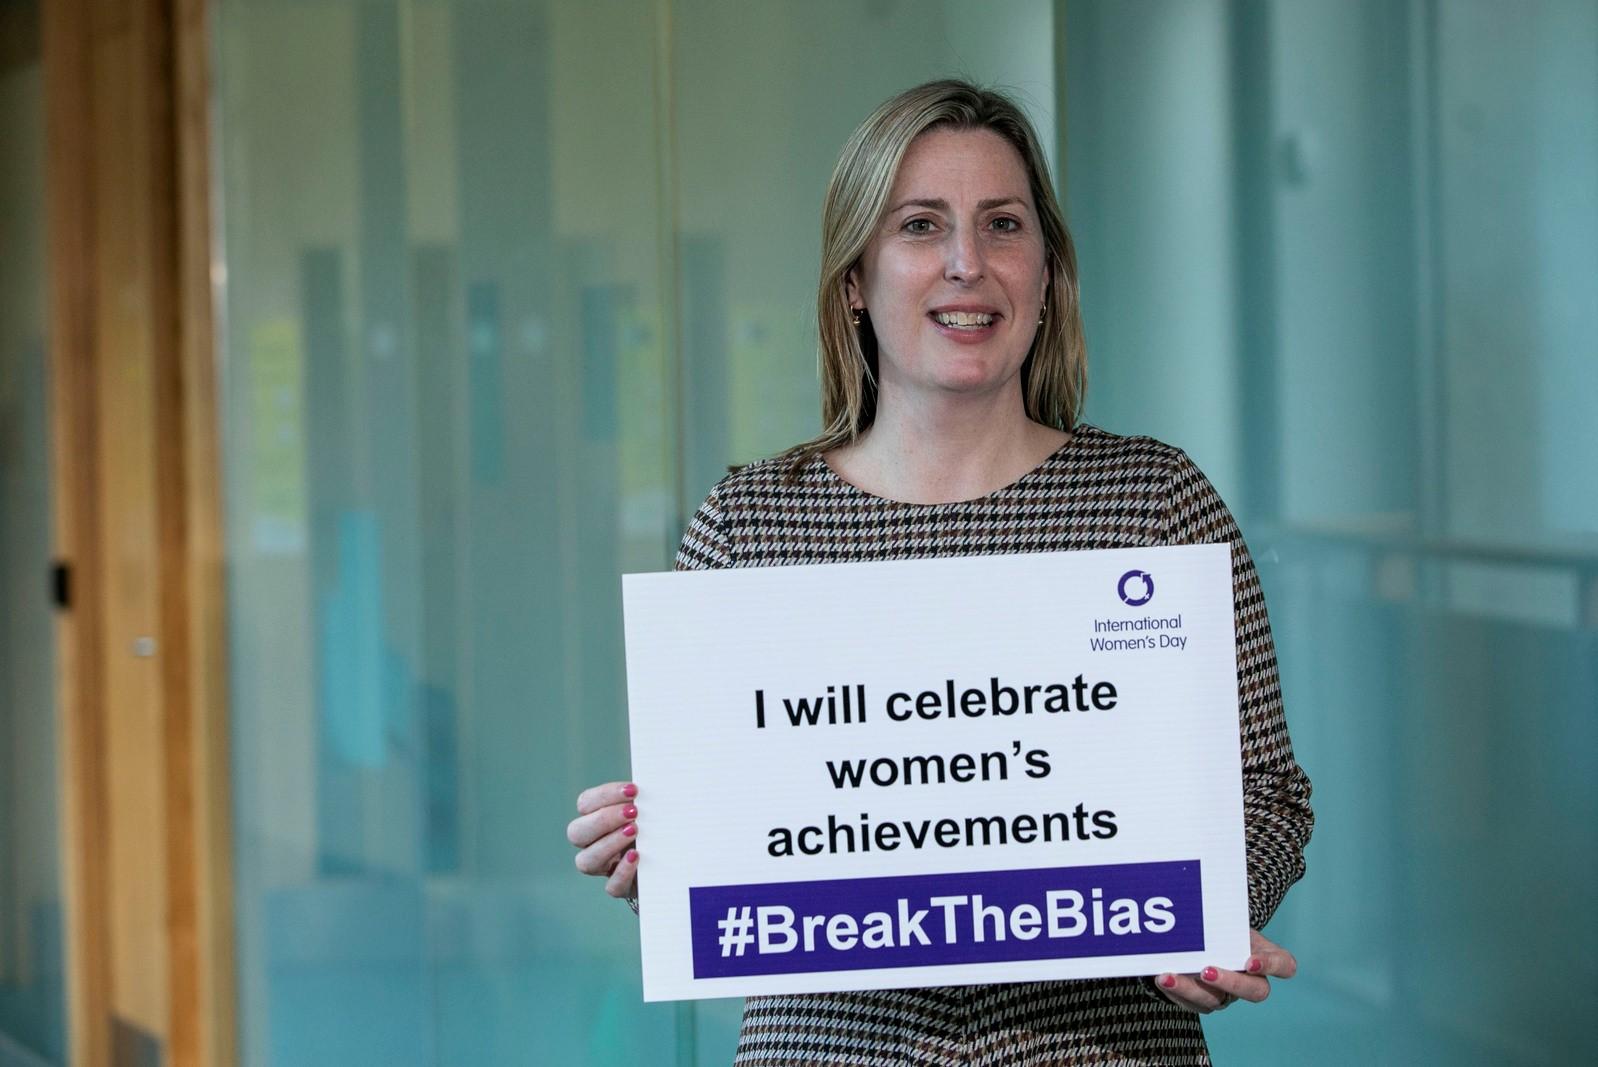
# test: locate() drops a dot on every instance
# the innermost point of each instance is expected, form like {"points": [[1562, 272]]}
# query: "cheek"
{"points": [[900, 285], [1024, 272]]}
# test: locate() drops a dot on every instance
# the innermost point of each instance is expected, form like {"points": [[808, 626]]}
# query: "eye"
{"points": [[1006, 224], [918, 226]]}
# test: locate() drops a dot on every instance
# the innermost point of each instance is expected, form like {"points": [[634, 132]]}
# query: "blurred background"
{"points": [[501, 288]]}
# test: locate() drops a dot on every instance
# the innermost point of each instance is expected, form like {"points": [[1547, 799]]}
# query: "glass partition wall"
{"points": [[32, 953], [1346, 252], [508, 285]]}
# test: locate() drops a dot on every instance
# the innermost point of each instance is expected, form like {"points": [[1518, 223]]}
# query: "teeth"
{"points": [[964, 318]]}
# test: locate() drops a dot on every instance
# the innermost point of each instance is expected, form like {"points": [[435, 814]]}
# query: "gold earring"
{"points": [[856, 314]]}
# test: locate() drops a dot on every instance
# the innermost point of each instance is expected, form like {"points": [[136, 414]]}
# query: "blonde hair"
{"points": [[1054, 376]]}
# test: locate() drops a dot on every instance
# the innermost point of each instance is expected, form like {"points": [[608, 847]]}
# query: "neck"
{"points": [[939, 449]]}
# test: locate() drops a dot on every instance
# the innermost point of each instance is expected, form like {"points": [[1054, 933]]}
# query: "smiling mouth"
{"points": [[963, 320]]}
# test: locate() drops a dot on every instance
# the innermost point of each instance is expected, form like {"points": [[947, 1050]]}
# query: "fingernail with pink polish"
{"points": [[1254, 966], [629, 790], [1169, 981], [630, 811], [632, 855], [629, 830], [1210, 974]]}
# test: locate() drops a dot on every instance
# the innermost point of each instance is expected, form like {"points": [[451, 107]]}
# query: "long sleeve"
{"points": [[1276, 810]]}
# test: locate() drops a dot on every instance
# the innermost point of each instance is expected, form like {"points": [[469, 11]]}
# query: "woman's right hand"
{"points": [[605, 834]]}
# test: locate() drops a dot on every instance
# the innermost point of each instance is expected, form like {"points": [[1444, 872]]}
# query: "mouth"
{"points": [[964, 320], [966, 326]]}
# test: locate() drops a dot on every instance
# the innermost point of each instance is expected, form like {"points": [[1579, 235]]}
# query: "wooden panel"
{"points": [[127, 319], [199, 797], [79, 634], [137, 514]]}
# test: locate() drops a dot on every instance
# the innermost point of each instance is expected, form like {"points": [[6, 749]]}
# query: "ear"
{"points": [[851, 287]]}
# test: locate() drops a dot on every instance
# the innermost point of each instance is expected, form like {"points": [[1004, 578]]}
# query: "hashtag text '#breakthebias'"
{"points": [[1063, 913]]}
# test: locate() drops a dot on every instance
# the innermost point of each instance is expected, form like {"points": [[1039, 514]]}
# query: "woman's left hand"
{"points": [[1214, 988]]}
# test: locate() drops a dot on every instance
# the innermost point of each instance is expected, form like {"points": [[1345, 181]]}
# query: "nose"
{"points": [[965, 263]]}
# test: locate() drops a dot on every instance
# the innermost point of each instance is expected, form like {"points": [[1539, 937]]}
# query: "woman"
{"points": [[953, 369]]}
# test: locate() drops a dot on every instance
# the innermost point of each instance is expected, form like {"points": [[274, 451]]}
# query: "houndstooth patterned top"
{"points": [[1098, 490]]}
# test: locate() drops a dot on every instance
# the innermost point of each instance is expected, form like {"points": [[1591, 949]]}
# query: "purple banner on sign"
{"points": [[927, 920]]}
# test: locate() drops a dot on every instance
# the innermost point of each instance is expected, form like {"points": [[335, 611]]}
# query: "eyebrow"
{"points": [[943, 205]]}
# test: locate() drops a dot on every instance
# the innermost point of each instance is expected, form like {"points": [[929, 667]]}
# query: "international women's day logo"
{"points": [[1136, 588]]}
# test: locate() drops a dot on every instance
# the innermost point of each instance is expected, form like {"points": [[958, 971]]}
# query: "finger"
{"points": [[586, 829], [1278, 964], [1268, 958], [621, 879], [1242, 986], [599, 857], [601, 796], [1184, 991]]}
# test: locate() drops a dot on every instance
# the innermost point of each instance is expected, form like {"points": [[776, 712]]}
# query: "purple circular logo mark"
{"points": [[1136, 588]]}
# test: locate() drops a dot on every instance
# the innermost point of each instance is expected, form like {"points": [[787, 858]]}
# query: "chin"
{"points": [[969, 374], [978, 382]]}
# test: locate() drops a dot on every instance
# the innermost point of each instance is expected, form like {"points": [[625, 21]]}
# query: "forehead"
{"points": [[945, 163]]}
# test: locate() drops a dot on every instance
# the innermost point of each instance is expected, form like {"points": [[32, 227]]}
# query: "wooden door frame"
{"points": [[163, 48]]}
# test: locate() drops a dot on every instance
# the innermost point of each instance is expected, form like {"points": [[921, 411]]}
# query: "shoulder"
{"points": [[774, 492], [1128, 460], [778, 481], [1188, 507], [772, 473]]}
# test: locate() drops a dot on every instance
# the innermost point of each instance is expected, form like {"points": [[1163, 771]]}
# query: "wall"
{"points": [[507, 286], [1380, 246]]}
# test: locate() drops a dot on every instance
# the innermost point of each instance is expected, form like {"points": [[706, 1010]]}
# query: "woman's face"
{"points": [[954, 279]]}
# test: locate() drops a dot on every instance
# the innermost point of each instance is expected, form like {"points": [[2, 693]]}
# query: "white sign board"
{"points": [[936, 772]]}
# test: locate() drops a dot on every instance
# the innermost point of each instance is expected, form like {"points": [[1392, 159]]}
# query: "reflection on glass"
{"points": [[511, 283], [444, 302], [1344, 253]]}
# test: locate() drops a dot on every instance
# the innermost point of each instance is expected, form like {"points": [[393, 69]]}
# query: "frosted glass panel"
{"points": [[32, 950], [447, 435], [1347, 254], [508, 286]]}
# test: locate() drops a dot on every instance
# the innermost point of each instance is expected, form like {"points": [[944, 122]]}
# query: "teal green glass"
{"points": [[1343, 252], [508, 285], [33, 1025]]}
